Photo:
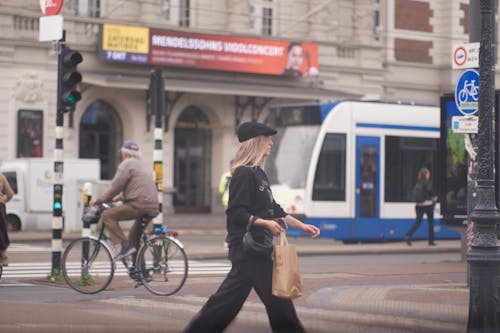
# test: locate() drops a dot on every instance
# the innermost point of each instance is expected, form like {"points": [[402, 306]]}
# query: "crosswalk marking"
{"points": [[41, 269], [27, 248]]}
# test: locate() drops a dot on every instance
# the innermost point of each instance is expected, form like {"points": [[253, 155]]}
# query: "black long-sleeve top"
{"points": [[249, 194]]}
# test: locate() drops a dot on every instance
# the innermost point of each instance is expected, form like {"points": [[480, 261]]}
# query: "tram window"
{"points": [[329, 178], [299, 116], [403, 158]]}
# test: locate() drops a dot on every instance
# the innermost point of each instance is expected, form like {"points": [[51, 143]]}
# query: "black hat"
{"points": [[250, 130]]}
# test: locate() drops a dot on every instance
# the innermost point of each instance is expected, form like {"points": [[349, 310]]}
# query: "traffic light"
{"points": [[70, 77], [57, 196]]}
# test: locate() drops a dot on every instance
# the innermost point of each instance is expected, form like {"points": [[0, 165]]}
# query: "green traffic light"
{"points": [[70, 99], [57, 205]]}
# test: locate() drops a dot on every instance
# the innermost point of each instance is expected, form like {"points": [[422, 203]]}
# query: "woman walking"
{"points": [[251, 201], [6, 194], [425, 199]]}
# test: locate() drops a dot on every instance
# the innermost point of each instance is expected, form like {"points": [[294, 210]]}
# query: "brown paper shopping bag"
{"points": [[286, 276]]}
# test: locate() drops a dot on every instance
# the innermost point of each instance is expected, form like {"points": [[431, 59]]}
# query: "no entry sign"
{"points": [[51, 7], [465, 56]]}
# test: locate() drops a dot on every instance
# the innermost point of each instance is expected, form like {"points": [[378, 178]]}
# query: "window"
{"points": [[261, 16], [184, 13], [404, 156], [91, 7], [329, 178], [94, 8], [12, 180], [30, 133], [166, 10], [376, 19]]}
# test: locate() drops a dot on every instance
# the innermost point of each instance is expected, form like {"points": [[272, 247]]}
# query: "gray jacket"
{"points": [[134, 179]]}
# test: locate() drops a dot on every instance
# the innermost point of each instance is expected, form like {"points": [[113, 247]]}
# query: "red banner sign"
{"points": [[141, 45], [230, 53]]}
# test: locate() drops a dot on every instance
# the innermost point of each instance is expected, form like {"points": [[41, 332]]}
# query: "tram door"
{"points": [[367, 223]]}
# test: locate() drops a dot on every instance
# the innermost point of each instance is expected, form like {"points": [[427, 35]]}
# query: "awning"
{"points": [[293, 90]]}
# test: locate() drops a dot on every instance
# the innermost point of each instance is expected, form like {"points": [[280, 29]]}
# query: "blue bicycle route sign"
{"points": [[467, 92]]}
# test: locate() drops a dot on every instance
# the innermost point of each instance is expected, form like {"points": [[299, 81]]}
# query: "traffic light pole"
{"points": [[157, 96], [57, 216]]}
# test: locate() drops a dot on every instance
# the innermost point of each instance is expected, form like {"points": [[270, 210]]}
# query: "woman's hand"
{"points": [[274, 227], [310, 230]]}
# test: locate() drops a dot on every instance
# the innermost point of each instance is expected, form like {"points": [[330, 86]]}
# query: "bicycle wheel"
{"points": [[87, 266], [162, 265]]}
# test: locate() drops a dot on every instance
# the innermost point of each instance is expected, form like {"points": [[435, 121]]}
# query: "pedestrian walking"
{"points": [[425, 199], [251, 202], [224, 181], [6, 194]]}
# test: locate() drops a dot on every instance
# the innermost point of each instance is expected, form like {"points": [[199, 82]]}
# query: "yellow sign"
{"points": [[125, 38]]}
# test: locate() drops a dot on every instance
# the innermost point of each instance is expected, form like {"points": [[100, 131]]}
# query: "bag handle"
{"points": [[283, 239], [252, 220]]}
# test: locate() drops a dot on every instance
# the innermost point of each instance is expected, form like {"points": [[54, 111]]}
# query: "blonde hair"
{"points": [[250, 153]]}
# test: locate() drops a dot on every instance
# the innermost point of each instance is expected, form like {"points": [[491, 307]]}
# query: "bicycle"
{"points": [[160, 264]]}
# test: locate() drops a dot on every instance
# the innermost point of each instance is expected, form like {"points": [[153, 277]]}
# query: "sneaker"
{"points": [[127, 249], [408, 241], [5, 260], [432, 244], [138, 281]]}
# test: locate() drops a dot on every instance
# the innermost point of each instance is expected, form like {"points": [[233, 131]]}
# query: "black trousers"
{"points": [[223, 306], [421, 210], [4, 236]]}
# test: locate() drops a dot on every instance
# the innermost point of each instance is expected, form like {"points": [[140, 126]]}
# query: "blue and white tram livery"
{"points": [[349, 167]]}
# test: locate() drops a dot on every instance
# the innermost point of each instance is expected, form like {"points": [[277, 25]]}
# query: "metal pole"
{"points": [[57, 216], [158, 103], [484, 257], [471, 143]]}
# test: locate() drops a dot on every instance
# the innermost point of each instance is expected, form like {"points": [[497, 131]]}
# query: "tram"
{"points": [[349, 167]]}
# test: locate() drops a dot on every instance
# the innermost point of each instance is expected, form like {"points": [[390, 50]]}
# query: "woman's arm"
{"points": [[6, 193], [276, 228], [299, 225]]}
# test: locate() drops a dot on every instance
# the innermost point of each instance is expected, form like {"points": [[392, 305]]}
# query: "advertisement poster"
{"points": [[30, 133], [169, 48], [454, 162]]}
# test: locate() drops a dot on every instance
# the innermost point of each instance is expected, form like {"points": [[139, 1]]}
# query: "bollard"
{"points": [[87, 196]]}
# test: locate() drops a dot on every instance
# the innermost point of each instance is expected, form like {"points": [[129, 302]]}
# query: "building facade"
{"points": [[396, 50]]}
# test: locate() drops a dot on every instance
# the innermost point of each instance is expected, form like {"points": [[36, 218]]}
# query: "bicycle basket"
{"points": [[91, 214]]}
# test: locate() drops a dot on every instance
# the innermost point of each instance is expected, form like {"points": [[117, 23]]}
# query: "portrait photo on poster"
{"points": [[301, 60]]}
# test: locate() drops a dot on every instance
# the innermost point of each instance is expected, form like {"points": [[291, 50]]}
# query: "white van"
{"points": [[31, 180]]}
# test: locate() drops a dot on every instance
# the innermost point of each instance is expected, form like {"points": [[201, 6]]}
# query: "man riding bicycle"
{"points": [[133, 184]]}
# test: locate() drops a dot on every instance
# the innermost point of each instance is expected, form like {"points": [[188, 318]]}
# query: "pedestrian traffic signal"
{"points": [[69, 79], [57, 196]]}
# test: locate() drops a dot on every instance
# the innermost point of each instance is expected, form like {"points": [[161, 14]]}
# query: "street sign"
{"points": [[465, 56], [464, 124], [467, 92], [51, 7], [50, 28]]}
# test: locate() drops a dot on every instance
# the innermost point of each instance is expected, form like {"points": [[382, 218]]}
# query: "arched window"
{"points": [[101, 135]]}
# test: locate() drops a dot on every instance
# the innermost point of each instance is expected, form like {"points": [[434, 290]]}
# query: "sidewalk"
{"points": [[203, 237]]}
